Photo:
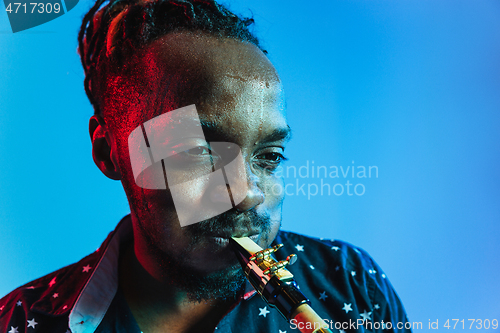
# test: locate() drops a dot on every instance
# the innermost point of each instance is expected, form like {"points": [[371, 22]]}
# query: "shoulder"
{"points": [[342, 277], [43, 300], [334, 258], [45, 303], [324, 250]]}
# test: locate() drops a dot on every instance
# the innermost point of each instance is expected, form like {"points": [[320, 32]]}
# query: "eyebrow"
{"points": [[279, 134], [213, 132]]}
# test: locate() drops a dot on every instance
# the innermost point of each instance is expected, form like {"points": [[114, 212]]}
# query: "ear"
{"points": [[102, 148]]}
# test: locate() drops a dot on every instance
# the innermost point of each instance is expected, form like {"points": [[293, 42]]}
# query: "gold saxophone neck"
{"points": [[275, 283]]}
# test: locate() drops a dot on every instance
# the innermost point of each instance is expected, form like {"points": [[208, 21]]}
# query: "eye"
{"points": [[270, 160], [190, 155], [198, 151], [273, 157]]}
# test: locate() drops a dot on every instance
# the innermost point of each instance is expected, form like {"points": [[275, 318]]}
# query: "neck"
{"points": [[158, 306]]}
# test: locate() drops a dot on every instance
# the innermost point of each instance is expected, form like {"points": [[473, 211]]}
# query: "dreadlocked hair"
{"points": [[113, 29]]}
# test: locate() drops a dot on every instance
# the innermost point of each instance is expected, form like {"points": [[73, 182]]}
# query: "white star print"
{"points": [[56, 295], [376, 307], [311, 267], [383, 276], [357, 250], [264, 311], [366, 315], [65, 307], [347, 307], [13, 329], [19, 303], [32, 323], [300, 248], [1, 307], [372, 271], [52, 282], [86, 268], [323, 296], [336, 248], [353, 273]]}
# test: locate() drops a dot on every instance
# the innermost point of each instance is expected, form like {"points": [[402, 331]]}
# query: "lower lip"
{"points": [[223, 242]]}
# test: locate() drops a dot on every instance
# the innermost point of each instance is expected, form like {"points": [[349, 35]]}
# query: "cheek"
{"points": [[191, 201], [189, 194], [274, 191], [274, 196]]}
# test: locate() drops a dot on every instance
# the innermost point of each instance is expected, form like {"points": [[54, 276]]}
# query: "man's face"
{"points": [[239, 99]]}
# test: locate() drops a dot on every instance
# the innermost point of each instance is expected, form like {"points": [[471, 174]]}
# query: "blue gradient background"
{"points": [[412, 87]]}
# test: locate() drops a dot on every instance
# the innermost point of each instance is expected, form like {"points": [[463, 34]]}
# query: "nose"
{"points": [[243, 193], [242, 184], [251, 193]]}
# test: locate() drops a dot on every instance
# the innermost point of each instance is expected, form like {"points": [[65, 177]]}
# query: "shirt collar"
{"points": [[100, 289]]}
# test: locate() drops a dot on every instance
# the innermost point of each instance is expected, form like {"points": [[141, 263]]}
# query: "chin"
{"points": [[212, 260], [219, 284]]}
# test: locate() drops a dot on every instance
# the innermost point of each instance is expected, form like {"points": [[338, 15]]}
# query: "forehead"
{"points": [[198, 52], [232, 83]]}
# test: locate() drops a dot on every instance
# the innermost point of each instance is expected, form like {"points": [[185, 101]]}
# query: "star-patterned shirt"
{"points": [[345, 287]]}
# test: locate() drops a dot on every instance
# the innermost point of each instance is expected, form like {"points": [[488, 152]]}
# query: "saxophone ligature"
{"points": [[276, 285]]}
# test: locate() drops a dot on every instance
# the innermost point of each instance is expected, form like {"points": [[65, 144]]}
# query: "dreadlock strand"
{"points": [[188, 9], [114, 29]]}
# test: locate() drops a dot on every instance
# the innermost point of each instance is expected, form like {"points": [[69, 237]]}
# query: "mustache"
{"points": [[230, 220]]}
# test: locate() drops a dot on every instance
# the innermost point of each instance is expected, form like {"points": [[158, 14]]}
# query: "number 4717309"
{"points": [[479, 324], [42, 7]]}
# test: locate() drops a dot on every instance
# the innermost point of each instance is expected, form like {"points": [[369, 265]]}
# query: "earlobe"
{"points": [[102, 148]]}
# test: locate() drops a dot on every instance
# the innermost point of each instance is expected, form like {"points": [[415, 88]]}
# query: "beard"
{"points": [[224, 284]]}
